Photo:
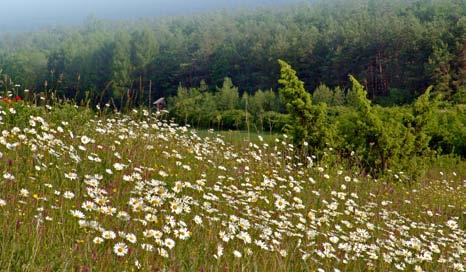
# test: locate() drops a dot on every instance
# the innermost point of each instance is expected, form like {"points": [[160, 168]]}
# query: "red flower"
{"points": [[18, 98]]}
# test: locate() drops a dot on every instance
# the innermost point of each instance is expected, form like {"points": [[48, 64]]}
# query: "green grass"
{"points": [[279, 214], [239, 136]]}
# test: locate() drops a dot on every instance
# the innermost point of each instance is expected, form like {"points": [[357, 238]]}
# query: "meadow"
{"points": [[97, 190]]}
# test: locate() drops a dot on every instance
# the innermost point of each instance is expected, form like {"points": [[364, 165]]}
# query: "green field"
{"points": [[82, 192]]}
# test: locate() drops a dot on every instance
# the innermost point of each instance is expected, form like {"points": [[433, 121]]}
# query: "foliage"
{"points": [[339, 97], [370, 137], [224, 110], [408, 46], [460, 96], [388, 138], [395, 97], [322, 94], [227, 96], [121, 67], [307, 123], [275, 121], [448, 133], [439, 68], [234, 119], [297, 101]]}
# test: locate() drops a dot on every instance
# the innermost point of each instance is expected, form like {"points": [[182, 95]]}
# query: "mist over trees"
{"points": [[27, 15], [395, 48]]}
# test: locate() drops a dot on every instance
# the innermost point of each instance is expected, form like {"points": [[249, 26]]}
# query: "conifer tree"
{"points": [[121, 66], [228, 96], [322, 94], [439, 68], [338, 97], [307, 123], [297, 100]]}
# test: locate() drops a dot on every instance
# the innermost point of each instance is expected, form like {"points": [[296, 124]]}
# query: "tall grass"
{"points": [[179, 200]]}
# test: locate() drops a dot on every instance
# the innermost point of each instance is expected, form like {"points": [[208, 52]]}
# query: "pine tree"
{"points": [[358, 96], [228, 96], [307, 123], [203, 87], [121, 66], [144, 47], [440, 69], [338, 97], [322, 94], [297, 100]]}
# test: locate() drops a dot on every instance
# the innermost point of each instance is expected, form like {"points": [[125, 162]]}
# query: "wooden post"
{"points": [[140, 90], [150, 96], [247, 120]]}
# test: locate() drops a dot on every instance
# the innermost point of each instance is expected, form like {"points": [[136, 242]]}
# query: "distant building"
{"points": [[160, 103]]}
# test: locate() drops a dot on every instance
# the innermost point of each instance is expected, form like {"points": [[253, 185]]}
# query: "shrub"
{"points": [[234, 119], [275, 121], [387, 138], [449, 131]]}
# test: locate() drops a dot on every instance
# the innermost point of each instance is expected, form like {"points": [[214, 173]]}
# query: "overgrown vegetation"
{"points": [[395, 48], [105, 191], [384, 138], [219, 71], [398, 138]]}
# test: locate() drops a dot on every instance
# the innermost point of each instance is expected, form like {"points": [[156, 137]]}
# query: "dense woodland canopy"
{"points": [[395, 49]]}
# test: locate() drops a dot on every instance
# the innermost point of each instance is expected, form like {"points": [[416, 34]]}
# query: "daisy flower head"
{"points": [[120, 249]]}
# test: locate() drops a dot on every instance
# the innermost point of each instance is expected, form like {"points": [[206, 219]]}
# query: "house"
{"points": [[160, 103]]}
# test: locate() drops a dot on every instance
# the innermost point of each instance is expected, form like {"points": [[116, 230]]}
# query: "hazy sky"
{"points": [[30, 14]]}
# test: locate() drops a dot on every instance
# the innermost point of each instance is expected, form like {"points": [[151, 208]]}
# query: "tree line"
{"points": [[377, 139], [395, 48], [343, 120]]}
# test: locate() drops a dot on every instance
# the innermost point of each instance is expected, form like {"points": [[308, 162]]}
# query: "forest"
{"points": [[395, 48]]}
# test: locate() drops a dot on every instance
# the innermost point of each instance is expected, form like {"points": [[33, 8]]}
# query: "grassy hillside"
{"points": [[85, 191]]}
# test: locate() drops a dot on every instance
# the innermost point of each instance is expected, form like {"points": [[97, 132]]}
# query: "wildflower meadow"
{"points": [[86, 190]]}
